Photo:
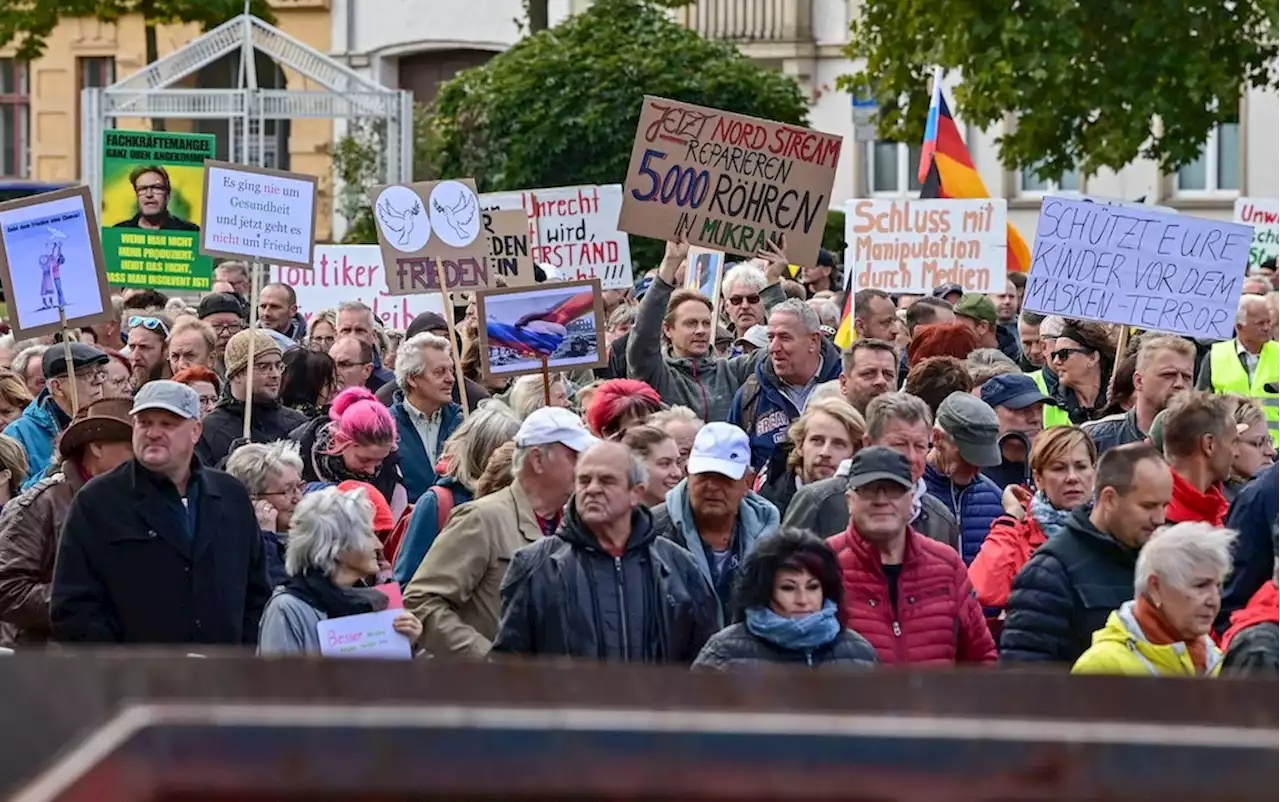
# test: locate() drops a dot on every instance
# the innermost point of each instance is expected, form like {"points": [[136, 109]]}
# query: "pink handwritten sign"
{"points": [[364, 636]]}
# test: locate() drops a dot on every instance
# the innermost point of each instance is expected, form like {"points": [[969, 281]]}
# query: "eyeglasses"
{"points": [[94, 376], [1256, 442], [345, 365], [149, 323], [891, 490], [158, 189], [269, 367], [208, 401], [1063, 354], [228, 328], [294, 489], [739, 300]]}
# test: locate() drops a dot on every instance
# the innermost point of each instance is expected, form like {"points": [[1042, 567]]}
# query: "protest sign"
{"points": [[575, 230], [352, 273], [915, 245], [430, 225], [152, 201], [521, 326], [728, 181], [258, 214], [1264, 215], [51, 259], [364, 635], [1147, 269]]}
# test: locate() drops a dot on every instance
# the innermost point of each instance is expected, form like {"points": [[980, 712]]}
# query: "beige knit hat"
{"points": [[237, 353]]}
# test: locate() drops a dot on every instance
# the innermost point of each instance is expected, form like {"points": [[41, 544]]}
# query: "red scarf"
{"points": [[1189, 504], [1160, 633]]}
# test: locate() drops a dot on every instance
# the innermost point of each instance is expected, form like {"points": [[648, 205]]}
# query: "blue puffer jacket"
{"points": [[417, 469], [424, 527], [975, 507], [1253, 514], [36, 429], [764, 413]]}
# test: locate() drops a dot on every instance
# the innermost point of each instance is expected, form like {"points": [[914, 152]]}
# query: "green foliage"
{"points": [[833, 234], [1084, 78], [29, 22], [561, 107], [359, 162]]}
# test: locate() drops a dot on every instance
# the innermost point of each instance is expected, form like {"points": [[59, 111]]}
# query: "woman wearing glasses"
{"points": [[1082, 357], [272, 473], [1255, 450]]}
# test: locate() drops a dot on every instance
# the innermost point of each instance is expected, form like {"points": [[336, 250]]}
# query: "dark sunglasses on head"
{"points": [[152, 323], [738, 300]]}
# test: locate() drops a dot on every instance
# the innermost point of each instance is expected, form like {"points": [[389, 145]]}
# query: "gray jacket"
{"points": [[707, 384], [289, 626], [820, 508]]}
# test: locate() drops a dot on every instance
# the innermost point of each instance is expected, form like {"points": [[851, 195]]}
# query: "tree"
{"points": [[561, 106], [359, 162], [539, 18], [1085, 79]]}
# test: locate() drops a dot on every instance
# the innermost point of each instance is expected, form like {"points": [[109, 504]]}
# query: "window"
{"points": [[1218, 168], [97, 72], [1030, 184], [894, 168], [15, 118]]}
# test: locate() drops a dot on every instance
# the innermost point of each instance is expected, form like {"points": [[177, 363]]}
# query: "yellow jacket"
{"points": [[1120, 647]]}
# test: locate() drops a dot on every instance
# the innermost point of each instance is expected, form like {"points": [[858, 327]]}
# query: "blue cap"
{"points": [[1012, 390], [642, 286]]}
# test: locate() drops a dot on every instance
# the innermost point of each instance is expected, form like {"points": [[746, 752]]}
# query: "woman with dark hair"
{"points": [[307, 385], [1082, 356], [790, 601]]}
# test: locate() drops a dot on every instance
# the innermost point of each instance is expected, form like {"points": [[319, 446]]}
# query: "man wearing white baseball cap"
{"points": [[454, 592], [714, 513]]}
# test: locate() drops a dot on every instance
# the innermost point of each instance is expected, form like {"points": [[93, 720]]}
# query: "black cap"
{"points": [[216, 302], [54, 361], [943, 290], [879, 463], [826, 258], [427, 321]]}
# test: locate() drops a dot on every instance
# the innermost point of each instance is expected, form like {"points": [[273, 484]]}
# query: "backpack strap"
{"points": [[444, 506], [392, 547]]}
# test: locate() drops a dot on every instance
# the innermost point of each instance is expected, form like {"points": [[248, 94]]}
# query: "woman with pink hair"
{"points": [[620, 404], [356, 443]]}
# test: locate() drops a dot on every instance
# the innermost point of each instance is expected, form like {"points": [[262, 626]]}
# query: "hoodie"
{"points": [[1121, 647], [1189, 504]]}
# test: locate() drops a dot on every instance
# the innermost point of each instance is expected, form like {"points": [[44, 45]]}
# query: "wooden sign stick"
{"points": [[255, 289], [453, 340], [546, 383], [66, 353]]}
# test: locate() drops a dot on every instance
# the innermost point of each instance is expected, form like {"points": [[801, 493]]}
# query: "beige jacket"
{"points": [[454, 592]]}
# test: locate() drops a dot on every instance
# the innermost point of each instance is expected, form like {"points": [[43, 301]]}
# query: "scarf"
{"points": [[330, 467], [1051, 519], [797, 634], [1160, 633], [1189, 504], [318, 590], [916, 496]]}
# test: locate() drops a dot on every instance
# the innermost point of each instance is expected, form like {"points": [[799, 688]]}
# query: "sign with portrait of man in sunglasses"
{"points": [[152, 191]]}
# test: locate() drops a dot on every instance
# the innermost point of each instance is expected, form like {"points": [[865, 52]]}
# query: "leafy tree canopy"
{"points": [[29, 22], [1085, 79]]}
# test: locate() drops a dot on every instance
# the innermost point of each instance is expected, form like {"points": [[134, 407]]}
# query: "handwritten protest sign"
{"points": [[1264, 215], [152, 191], [728, 181], [260, 214], [364, 635], [1148, 269], [352, 273], [434, 224], [575, 230], [916, 245]]}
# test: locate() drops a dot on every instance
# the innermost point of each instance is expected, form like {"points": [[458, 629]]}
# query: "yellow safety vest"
{"points": [[1229, 376], [1053, 416]]}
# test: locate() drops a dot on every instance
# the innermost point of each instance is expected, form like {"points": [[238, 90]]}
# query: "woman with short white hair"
{"points": [[272, 473], [1177, 587], [331, 555]]}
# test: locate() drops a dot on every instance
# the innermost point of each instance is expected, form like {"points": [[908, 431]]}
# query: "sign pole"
{"points": [[546, 383], [1121, 345], [66, 353], [255, 289], [453, 340]]}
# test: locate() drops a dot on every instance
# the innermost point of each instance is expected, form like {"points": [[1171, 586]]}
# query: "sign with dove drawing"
{"points": [[432, 224]]}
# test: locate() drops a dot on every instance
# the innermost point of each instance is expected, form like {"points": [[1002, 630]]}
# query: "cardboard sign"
{"points": [[258, 214], [563, 322], [51, 257], [1148, 269], [1264, 215], [152, 202], [913, 246], [352, 273], [575, 230], [365, 635], [727, 181]]}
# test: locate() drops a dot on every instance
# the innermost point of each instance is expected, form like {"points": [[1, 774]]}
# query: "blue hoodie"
{"points": [[757, 517], [774, 412], [975, 507], [36, 429]]}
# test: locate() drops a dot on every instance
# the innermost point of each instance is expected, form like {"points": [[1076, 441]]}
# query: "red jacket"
{"points": [[1264, 607], [1189, 504], [1006, 549], [938, 621]]}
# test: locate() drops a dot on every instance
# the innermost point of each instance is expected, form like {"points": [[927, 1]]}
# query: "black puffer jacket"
{"points": [[737, 648], [1065, 592], [1254, 651], [271, 421], [1114, 430], [564, 596]]}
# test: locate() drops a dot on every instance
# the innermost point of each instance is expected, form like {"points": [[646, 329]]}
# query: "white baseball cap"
{"points": [[548, 425], [720, 448]]}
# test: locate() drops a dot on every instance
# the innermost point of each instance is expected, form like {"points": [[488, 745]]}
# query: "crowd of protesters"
{"points": [[967, 482]]}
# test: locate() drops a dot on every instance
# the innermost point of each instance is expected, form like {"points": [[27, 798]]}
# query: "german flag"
{"points": [[947, 171]]}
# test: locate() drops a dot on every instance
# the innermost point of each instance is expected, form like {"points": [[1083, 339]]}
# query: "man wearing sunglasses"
{"points": [[148, 348], [51, 412], [743, 286], [152, 188]]}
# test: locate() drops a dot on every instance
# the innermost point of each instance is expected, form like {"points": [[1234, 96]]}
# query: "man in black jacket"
{"points": [[270, 420], [161, 549], [606, 586], [1072, 583]]}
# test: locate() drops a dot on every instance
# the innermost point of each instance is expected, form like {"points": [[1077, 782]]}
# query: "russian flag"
{"points": [[946, 170]]}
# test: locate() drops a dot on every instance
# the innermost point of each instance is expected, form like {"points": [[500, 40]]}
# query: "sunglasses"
{"points": [[150, 323], [738, 300], [1063, 354]]}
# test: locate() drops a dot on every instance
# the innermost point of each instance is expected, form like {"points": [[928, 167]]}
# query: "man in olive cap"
{"points": [[966, 436], [978, 312], [270, 420]]}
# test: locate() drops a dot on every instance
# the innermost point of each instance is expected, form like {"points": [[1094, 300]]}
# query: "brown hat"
{"points": [[236, 356], [105, 420]]}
